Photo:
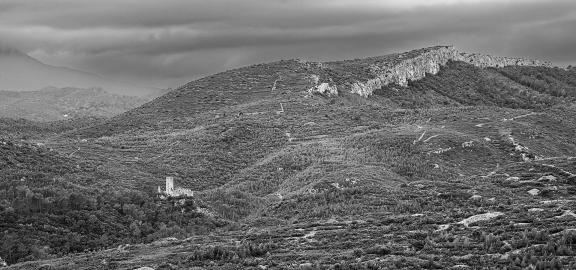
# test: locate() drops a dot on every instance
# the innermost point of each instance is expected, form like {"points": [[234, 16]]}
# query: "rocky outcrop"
{"points": [[483, 61], [366, 89], [481, 217], [324, 89], [402, 71]]}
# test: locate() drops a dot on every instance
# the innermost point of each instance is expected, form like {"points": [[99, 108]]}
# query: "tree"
{"points": [[135, 229]]}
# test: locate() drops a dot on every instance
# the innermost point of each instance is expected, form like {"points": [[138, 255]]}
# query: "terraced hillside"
{"points": [[471, 166]]}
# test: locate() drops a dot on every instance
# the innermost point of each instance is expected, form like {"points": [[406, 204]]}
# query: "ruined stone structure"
{"points": [[169, 184], [429, 62], [172, 191]]}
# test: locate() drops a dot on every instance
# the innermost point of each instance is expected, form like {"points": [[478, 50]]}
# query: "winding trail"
{"points": [[508, 119]]}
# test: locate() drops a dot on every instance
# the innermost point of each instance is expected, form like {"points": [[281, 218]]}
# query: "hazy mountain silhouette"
{"points": [[20, 72]]}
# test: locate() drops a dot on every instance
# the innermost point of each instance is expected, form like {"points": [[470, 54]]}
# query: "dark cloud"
{"points": [[171, 41]]}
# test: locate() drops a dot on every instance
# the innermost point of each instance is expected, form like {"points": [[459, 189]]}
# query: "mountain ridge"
{"points": [[21, 72], [295, 79], [416, 64]]}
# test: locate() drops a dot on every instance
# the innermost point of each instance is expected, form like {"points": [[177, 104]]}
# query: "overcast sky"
{"points": [[164, 43]]}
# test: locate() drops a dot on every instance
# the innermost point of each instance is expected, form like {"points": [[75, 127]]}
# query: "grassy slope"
{"points": [[325, 161]]}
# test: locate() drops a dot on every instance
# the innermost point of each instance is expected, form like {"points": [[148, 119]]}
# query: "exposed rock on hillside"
{"points": [[366, 89], [324, 89], [405, 69], [481, 217]]}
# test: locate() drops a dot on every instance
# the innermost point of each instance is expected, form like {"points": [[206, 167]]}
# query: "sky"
{"points": [[165, 43]]}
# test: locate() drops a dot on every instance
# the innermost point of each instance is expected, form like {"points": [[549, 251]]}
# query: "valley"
{"points": [[56, 104]]}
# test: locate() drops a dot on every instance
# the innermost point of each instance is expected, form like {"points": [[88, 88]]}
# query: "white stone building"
{"points": [[172, 191]]}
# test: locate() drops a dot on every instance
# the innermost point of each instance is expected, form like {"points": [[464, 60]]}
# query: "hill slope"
{"points": [[411, 160], [265, 86], [54, 204], [230, 124]]}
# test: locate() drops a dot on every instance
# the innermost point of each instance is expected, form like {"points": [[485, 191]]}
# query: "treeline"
{"points": [[25, 129], [40, 223]]}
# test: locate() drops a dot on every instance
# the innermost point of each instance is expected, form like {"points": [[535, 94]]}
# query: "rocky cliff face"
{"points": [[429, 61]]}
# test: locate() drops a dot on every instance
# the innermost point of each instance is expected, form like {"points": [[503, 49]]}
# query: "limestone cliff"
{"points": [[428, 61]]}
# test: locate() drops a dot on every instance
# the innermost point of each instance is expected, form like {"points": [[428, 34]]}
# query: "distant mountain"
{"points": [[51, 104], [20, 72]]}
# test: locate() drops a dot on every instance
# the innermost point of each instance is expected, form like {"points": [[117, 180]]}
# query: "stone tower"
{"points": [[169, 184]]}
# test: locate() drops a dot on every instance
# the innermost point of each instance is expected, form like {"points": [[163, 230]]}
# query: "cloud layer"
{"points": [[165, 43]]}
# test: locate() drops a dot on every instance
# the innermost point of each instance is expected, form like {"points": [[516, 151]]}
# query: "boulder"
{"points": [[475, 197], [481, 217], [547, 178], [534, 192]]}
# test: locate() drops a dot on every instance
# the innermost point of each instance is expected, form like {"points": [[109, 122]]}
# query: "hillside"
{"points": [[53, 104], [54, 204], [426, 159], [264, 86], [232, 119], [26, 130]]}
